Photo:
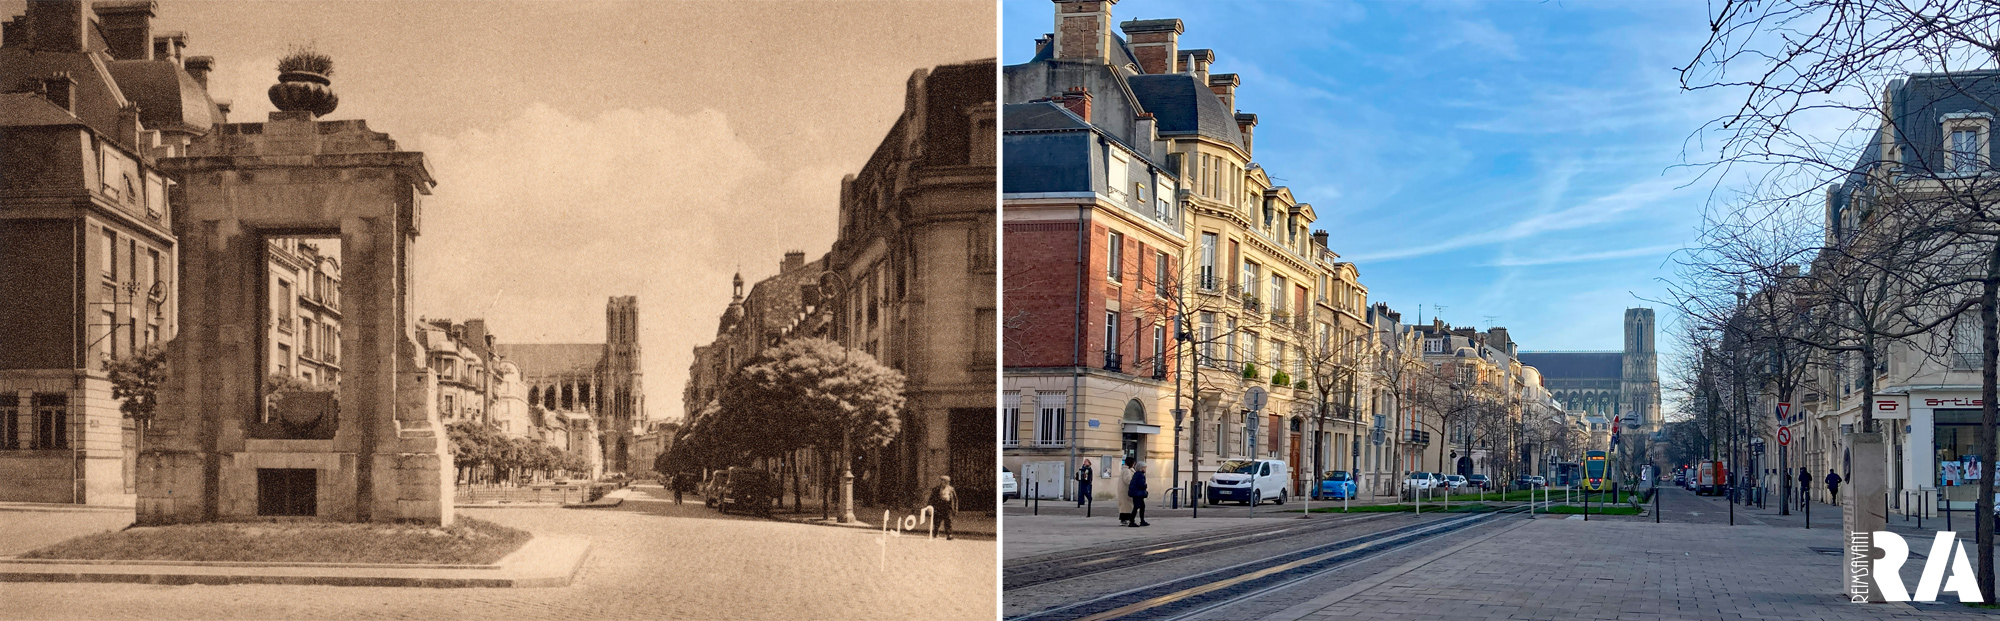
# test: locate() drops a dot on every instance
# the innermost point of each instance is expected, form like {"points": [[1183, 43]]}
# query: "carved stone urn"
{"points": [[304, 91]]}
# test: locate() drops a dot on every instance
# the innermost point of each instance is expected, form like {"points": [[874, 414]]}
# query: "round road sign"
{"points": [[1784, 436]]}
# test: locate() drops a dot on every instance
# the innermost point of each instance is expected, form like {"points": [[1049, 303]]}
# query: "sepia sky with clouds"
{"points": [[585, 150]]}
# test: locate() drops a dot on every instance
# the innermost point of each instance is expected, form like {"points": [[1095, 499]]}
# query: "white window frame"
{"points": [[1978, 122], [1051, 419], [1114, 256], [1010, 419]]}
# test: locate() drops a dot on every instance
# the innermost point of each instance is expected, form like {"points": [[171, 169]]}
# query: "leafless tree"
{"points": [[1799, 61]]}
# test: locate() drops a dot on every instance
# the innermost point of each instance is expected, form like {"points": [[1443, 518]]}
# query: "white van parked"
{"points": [[1251, 482]]}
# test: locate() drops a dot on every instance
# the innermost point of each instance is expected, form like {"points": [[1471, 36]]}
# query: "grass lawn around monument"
{"points": [[468, 542]]}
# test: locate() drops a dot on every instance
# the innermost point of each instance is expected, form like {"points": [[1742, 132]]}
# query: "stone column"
{"points": [[1863, 511]]}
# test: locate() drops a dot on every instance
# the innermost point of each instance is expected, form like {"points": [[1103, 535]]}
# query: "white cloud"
{"points": [[1512, 261], [536, 222]]}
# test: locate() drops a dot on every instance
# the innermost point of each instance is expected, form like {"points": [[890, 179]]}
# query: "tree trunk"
{"points": [[1989, 295]]}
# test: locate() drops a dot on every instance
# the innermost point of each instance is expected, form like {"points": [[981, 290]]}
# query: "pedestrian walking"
{"points": [[944, 504], [1805, 487], [1083, 477], [1832, 486], [1123, 492], [680, 485], [1137, 491]]}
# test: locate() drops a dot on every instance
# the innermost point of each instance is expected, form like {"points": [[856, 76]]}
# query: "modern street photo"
{"points": [[510, 309], [1498, 310]]}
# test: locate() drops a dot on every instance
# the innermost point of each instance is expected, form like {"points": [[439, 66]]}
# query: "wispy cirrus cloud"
{"points": [[1584, 257]]}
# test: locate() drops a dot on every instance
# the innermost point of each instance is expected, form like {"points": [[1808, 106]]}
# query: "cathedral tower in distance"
{"points": [[1641, 384]]}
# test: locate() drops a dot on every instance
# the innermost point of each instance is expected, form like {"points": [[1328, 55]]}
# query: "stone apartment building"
{"points": [[303, 334], [90, 99], [915, 259], [1132, 199]]}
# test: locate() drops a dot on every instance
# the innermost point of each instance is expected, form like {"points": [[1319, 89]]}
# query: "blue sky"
{"points": [[1515, 160]]}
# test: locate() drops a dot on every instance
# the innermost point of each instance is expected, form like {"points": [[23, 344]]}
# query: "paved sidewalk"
{"points": [[1604, 569], [29, 526]]}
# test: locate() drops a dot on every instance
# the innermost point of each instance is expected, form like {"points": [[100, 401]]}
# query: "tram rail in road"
{"points": [[1188, 596], [1047, 571]]}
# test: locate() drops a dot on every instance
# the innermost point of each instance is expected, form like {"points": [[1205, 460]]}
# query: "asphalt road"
{"points": [[650, 559]]}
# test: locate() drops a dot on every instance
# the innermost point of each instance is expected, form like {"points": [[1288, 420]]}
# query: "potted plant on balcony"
{"points": [[304, 83], [1250, 371], [1281, 380]]}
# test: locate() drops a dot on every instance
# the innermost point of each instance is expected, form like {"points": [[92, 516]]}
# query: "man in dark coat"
{"points": [[1833, 486], [943, 503], [1137, 491], [1083, 478], [1805, 487]]}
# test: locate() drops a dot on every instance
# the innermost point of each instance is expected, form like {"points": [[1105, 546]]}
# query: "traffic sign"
{"points": [[1784, 413], [1784, 436], [1255, 398]]}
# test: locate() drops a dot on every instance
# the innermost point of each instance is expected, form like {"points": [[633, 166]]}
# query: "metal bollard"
{"points": [[1038, 498], [1656, 505]]}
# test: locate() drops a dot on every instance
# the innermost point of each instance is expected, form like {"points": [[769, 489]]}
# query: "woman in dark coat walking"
{"points": [[1833, 486], [1137, 491]]}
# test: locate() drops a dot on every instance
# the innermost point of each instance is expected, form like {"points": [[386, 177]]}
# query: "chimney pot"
{"points": [[60, 89], [1077, 101], [199, 67], [794, 259], [1083, 30], [167, 46], [1155, 43], [57, 25], [1197, 62], [128, 27], [1224, 86], [1320, 237]]}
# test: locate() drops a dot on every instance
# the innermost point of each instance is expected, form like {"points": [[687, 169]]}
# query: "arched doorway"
{"points": [[1135, 430]]}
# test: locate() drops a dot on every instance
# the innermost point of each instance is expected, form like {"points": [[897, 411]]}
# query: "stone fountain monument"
{"points": [[371, 449]]}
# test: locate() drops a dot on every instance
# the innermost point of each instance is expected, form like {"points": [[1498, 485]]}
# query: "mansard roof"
{"points": [[1183, 106]]}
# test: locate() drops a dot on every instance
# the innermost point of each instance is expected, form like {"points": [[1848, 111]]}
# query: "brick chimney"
{"points": [[54, 26], [1197, 62], [1076, 100], [128, 27], [1224, 86], [794, 259], [1083, 30], [1245, 123], [60, 89], [1155, 43], [1319, 238], [168, 46], [198, 67]]}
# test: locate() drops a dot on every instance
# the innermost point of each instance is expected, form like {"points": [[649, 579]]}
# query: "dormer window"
{"points": [[1965, 145]]}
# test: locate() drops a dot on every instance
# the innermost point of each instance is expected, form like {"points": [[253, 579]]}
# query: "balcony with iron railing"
{"points": [[1114, 362]]}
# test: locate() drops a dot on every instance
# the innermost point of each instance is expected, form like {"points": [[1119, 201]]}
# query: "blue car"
{"points": [[1337, 485]]}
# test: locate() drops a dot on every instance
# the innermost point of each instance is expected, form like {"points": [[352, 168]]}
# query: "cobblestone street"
{"points": [[650, 559]]}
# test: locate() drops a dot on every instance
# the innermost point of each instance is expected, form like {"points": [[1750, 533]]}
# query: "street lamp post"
{"points": [[846, 436]]}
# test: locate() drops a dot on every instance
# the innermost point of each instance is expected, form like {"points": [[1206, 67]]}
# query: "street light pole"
{"points": [[846, 435]]}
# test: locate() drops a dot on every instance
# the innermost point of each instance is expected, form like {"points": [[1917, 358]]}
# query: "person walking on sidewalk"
{"points": [[1137, 492], [1083, 477], [944, 504], [1832, 487], [1122, 491], [1805, 487]]}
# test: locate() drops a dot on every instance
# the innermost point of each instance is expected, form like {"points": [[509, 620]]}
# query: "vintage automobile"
{"points": [[748, 489]]}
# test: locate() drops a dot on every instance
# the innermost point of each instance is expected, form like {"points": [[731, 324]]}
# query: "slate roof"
{"points": [[1576, 364], [546, 359], [167, 96], [1039, 116], [1183, 105], [29, 109], [1121, 55]]}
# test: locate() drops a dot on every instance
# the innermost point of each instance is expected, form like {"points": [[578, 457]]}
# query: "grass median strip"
{"points": [[1594, 510], [1428, 508], [469, 542]]}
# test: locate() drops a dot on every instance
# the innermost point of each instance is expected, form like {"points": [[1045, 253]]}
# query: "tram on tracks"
{"points": [[1596, 475]]}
